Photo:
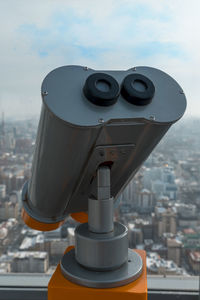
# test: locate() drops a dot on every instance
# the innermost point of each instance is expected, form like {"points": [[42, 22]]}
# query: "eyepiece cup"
{"points": [[136, 96], [101, 89]]}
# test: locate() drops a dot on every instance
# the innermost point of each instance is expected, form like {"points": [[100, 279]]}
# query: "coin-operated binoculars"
{"points": [[96, 129]]}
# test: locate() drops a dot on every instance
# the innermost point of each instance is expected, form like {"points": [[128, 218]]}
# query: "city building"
{"points": [[8, 209], [194, 261], [145, 201], [165, 220], [2, 191], [135, 235], [160, 266], [54, 246], [30, 262], [4, 268], [163, 201], [160, 249], [174, 247], [146, 226], [5, 263], [186, 211], [161, 181], [191, 239]]}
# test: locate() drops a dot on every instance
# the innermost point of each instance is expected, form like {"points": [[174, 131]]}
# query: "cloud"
{"points": [[38, 36]]}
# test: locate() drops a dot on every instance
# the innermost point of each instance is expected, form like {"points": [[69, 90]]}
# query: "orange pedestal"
{"points": [[59, 288]]}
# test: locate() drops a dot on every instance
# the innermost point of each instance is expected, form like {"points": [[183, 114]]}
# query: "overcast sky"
{"points": [[38, 36]]}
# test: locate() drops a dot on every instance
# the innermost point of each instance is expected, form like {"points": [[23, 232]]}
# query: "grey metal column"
{"points": [[100, 210], [101, 258], [101, 245]]}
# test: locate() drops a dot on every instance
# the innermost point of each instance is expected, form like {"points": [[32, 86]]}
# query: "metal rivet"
{"points": [[181, 92], [101, 120], [134, 69], [152, 118], [85, 68], [45, 93]]}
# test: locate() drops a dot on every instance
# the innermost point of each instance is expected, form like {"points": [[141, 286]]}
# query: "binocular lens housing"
{"points": [[91, 118]]}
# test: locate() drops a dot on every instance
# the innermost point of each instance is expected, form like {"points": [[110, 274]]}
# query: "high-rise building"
{"points": [[145, 201], [135, 235], [165, 219], [174, 247], [194, 261], [161, 181], [2, 191], [8, 209]]}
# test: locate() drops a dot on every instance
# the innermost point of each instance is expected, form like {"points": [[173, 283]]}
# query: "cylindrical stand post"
{"points": [[101, 245], [100, 210]]}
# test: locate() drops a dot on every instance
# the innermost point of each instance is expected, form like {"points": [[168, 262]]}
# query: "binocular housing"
{"points": [[91, 118]]}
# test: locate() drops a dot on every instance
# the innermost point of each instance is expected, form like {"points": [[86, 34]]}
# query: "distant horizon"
{"points": [[37, 116]]}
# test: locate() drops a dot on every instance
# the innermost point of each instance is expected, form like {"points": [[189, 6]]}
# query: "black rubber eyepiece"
{"points": [[138, 89], [101, 89]]}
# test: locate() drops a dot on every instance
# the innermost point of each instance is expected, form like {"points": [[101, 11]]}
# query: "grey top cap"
{"points": [[66, 100]]}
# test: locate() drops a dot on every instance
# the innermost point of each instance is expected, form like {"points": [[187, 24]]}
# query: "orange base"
{"points": [[59, 288]]}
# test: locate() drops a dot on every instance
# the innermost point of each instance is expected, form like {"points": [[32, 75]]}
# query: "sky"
{"points": [[38, 36]]}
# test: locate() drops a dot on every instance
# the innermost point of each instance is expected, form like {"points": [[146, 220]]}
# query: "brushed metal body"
{"points": [[76, 136]]}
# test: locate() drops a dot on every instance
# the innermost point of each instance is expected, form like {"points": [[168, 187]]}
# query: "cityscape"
{"points": [[160, 206]]}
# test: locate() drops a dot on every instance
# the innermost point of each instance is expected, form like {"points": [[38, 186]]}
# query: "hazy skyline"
{"points": [[39, 36]]}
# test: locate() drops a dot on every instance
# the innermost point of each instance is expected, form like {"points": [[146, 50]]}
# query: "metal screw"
{"points": [[101, 120], [45, 93], [101, 152], [134, 69], [152, 118], [85, 68]]}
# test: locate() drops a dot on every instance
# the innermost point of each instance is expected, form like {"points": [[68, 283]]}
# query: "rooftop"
{"points": [[195, 256]]}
